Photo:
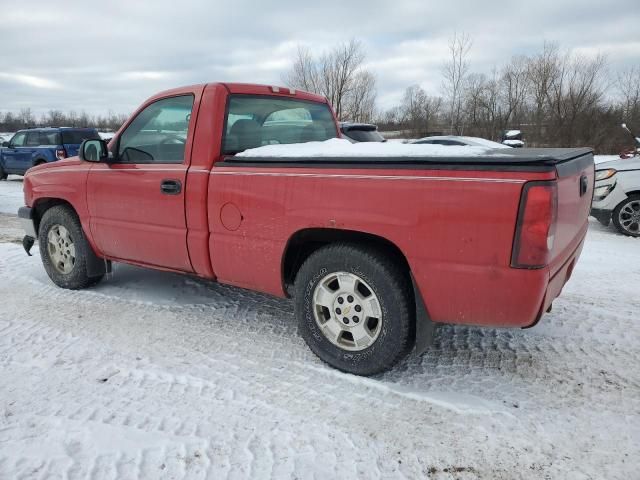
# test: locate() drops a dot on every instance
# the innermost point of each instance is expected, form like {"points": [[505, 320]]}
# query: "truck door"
{"points": [[14, 153], [137, 204]]}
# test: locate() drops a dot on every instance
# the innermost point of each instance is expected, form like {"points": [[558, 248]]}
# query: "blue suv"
{"points": [[34, 146]]}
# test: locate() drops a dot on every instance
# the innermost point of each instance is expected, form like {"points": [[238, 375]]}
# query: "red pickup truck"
{"points": [[374, 251]]}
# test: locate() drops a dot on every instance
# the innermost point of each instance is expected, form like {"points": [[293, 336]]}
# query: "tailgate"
{"points": [[575, 191]]}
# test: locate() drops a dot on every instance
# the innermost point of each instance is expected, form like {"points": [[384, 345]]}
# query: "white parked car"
{"points": [[617, 193], [458, 141]]}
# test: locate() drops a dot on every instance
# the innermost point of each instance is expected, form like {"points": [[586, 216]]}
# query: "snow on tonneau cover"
{"points": [[574, 172]]}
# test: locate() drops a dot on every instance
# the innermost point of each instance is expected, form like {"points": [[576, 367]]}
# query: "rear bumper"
{"points": [[558, 281], [25, 214]]}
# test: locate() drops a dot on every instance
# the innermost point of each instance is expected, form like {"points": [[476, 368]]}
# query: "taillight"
{"points": [[536, 227], [61, 153]]}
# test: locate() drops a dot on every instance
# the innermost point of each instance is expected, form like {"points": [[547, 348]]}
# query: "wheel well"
{"points": [[633, 192], [39, 161], [304, 242], [43, 204]]}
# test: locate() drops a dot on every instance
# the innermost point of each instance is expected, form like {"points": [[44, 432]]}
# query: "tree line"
{"points": [[555, 98], [25, 118]]}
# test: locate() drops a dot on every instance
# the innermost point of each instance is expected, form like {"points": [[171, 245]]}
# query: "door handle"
{"points": [[584, 185], [171, 187]]}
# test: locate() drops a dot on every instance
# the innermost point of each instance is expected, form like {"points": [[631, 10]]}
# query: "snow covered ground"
{"points": [[155, 375], [11, 195]]}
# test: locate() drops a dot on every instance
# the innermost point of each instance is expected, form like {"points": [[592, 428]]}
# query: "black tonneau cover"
{"points": [[527, 159]]}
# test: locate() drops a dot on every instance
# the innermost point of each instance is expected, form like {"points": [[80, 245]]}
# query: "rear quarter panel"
{"points": [[454, 227], [573, 210]]}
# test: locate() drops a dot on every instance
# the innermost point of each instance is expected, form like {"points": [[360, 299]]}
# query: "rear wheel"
{"points": [[354, 308], [64, 249], [626, 216]]}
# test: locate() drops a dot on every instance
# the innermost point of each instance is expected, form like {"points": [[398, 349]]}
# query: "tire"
{"points": [[64, 249], [366, 345], [3, 174], [626, 216]]}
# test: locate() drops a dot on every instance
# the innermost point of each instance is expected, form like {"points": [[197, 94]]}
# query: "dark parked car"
{"points": [[31, 147], [361, 132], [459, 141]]}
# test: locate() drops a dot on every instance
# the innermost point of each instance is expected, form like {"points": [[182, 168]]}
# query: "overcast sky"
{"points": [[111, 55]]}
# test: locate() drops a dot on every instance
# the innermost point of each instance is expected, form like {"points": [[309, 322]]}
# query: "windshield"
{"points": [[364, 135], [256, 121], [75, 137]]}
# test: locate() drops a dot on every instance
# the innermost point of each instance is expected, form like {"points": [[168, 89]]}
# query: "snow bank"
{"points": [[11, 196], [513, 142], [106, 135], [338, 147]]}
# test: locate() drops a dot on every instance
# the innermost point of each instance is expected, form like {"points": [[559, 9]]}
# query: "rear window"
{"points": [[75, 137], [364, 135], [256, 121]]}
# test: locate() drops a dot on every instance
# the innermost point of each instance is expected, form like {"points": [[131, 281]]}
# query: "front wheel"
{"points": [[626, 216], [3, 174], [64, 249], [354, 308]]}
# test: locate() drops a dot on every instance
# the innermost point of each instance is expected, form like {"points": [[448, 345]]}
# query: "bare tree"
{"points": [[359, 105], [26, 118], [54, 118], [304, 73], [418, 110], [629, 87], [542, 71], [455, 72], [338, 75], [514, 81]]}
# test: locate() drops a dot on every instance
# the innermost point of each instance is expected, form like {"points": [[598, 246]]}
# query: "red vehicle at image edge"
{"points": [[374, 251]]}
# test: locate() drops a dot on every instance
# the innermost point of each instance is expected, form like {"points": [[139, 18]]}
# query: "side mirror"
{"points": [[5, 144], [94, 151]]}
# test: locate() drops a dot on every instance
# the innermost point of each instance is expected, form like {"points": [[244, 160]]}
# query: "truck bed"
{"points": [[527, 159], [455, 225]]}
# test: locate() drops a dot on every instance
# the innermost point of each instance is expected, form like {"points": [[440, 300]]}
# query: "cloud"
{"points": [[101, 56], [29, 80]]}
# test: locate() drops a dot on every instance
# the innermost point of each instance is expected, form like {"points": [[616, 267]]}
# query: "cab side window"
{"points": [[159, 133], [18, 140], [33, 139]]}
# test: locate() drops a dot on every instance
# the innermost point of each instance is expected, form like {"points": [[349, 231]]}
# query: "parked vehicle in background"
{"points": [[34, 146], [459, 141], [373, 248], [617, 192], [361, 132], [512, 138]]}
